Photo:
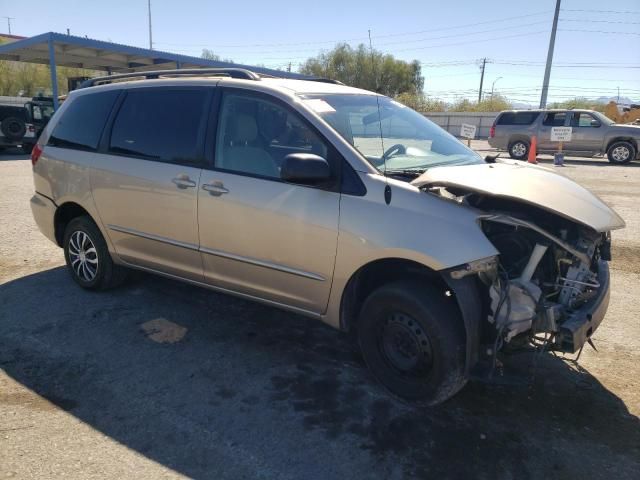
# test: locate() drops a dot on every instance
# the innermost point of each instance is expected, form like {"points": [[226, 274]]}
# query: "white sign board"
{"points": [[467, 131], [561, 134]]}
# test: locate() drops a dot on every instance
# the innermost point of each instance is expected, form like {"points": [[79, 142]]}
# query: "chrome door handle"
{"points": [[183, 181], [215, 188]]}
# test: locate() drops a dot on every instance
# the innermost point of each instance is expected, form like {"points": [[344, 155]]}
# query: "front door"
{"points": [[586, 133], [260, 235], [146, 183]]}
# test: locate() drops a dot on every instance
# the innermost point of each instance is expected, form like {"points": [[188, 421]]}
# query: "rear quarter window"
{"points": [[81, 124], [518, 118]]}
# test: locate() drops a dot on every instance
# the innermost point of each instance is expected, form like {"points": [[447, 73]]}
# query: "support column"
{"points": [[54, 78]]}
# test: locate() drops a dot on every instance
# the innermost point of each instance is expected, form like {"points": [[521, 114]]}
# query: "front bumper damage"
{"points": [[583, 322]]}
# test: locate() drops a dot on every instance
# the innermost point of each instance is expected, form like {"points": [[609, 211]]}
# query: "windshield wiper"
{"points": [[406, 172]]}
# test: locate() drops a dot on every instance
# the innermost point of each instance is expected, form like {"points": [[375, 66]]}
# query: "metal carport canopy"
{"points": [[57, 49]]}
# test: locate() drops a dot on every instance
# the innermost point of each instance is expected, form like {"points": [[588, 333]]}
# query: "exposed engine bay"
{"points": [[548, 268]]}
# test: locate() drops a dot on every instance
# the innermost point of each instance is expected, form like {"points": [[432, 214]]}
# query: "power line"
{"points": [[610, 32], [598, 21], [621, 12], [450, 27]]}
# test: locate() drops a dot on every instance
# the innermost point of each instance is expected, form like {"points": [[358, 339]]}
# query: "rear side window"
{"points": [[82, 122], [554, 119], [160, 124], [518, 118]]}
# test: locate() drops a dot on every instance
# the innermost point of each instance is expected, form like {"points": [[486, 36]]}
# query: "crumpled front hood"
{"points": [[531, 184]]}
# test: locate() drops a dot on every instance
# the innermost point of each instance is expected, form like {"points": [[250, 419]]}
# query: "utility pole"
{"points": [[547, 68], [9, 23], [484, 63], [493, 85], [289, 68], [618, 95], [150, 37]]}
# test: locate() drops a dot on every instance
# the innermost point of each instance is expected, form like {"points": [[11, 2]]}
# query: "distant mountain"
{"points": [[623, 100]]}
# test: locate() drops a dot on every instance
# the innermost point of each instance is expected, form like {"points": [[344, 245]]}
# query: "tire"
{"points": [[13, 128], [87, 256], [519, 150], [621, 152], [412, 339]]}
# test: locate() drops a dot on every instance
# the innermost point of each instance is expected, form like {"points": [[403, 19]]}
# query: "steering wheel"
{"points": [[398, 148]]}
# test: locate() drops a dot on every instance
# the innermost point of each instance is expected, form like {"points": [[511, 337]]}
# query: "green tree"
{"points": [[579, 102], [490, 104], [210, 55], [359, 67]]}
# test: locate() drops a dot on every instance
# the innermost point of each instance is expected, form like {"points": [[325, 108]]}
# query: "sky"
{"points": [[597, 45]]}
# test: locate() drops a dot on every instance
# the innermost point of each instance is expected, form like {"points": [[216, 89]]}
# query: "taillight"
{"points": [[35, 154], [492, 132]]}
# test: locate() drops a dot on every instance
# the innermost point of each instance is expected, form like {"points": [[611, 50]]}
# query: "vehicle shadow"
{"points": [[13, 154], [251, 391]]}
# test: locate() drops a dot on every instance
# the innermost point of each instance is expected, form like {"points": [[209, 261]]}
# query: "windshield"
{"points": [[393, 138]]}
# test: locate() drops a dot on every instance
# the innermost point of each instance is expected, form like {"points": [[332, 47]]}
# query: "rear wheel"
{"points": [[87, 256], [518, 150], [621, 152], [412, 339]]}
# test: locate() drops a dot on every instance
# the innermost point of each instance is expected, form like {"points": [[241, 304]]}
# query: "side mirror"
{"points": [[595, 123], [305, 168]]}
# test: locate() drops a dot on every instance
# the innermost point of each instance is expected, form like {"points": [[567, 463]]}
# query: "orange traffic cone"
{"points": [[533, 153]]}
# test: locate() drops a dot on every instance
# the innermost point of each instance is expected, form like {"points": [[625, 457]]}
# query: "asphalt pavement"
{"points": [[158, 379]]}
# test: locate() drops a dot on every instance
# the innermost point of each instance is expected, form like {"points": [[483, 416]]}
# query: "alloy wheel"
{"points": [[519, 149], [620, 154], [83, 256]]}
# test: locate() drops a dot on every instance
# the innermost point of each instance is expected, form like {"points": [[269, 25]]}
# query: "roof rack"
{"points": [[324, 80], [227, 72]]}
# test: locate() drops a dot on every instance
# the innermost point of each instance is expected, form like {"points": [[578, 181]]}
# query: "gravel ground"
{"points": [[161, 380]]}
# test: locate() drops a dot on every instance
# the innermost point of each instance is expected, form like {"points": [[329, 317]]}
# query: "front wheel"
{"points": [[87, 256], [518, 150], [412, 339], [621, 152]]}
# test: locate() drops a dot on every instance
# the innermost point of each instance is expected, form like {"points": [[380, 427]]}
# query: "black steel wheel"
{"points": [[412, 338]]}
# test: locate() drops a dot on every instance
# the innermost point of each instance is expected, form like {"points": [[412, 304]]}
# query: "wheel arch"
{"points": [[631, 140], [519, 137], [376, 273], [64, 214]]}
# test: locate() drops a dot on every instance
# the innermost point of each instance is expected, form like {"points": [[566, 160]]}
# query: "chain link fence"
{"points": [[452, 121]]}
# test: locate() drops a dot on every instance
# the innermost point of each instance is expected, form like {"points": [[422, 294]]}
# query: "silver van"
{"points": [[329, 201], [593, 133]]}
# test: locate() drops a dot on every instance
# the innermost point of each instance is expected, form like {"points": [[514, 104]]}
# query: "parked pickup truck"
{"points": [[592, 134]]}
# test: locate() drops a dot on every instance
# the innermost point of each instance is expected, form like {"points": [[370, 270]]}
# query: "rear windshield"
{"points": [[518, 118]]}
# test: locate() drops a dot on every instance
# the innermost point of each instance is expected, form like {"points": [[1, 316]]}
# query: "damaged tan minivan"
{"points": [[329, 201]]}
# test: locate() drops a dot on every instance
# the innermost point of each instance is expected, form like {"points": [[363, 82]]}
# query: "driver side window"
{"points": [[256, 134]]}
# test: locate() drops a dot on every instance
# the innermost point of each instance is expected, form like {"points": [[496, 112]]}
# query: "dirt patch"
{"points": [[626, 258], [161, 330]]}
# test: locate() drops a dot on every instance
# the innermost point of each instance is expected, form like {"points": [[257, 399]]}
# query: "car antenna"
{"points": [[387, 188]]}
